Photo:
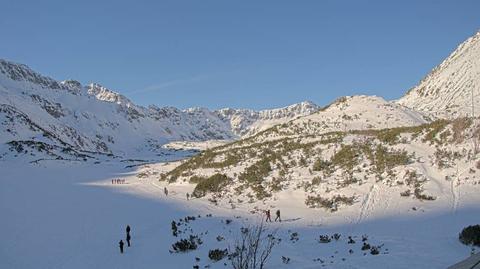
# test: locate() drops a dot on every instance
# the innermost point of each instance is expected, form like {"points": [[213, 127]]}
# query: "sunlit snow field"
{"points": [[69, 215]]}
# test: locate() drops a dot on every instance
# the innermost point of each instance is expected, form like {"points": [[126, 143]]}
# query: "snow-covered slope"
{"points": [[369, 169], [347, 113], [447, 91], [245, 122], [40, 112], [362, 112], [343, 179], [358, 174], [91, 118], [76, 210]]}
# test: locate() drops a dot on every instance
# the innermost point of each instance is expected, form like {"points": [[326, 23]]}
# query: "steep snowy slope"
{"points": [[447, 91], [37, 112]]}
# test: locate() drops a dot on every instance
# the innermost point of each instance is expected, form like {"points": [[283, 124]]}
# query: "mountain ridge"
{"points": [[95, 118]]}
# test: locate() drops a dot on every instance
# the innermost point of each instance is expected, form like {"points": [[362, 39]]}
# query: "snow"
{"points": [[69, 215], [60, 209], [196, 145], [447, 91], [96, 119], [359, 112], [245, 122], [363, 112]]}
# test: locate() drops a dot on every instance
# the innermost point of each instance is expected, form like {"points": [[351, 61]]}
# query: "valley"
{"points": [[362, 182]]}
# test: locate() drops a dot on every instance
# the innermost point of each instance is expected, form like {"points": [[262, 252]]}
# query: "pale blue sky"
{"points": [[243, 54]]}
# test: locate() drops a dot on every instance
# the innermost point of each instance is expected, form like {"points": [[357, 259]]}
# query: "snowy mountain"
{"points": [[447, 91], [37, 112], [360, 171], [356, 161], [347, 113], [245, 122], [351, 176]]}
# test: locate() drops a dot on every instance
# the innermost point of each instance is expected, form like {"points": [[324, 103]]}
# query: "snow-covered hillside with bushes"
{"points": [[361, 183]]}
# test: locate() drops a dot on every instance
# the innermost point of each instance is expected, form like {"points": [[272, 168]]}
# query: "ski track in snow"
{"points": [[368, 204], [456, 195]]}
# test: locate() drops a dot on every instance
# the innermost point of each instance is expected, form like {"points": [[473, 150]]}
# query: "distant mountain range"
{"points": [[37, 109], [38, 112]]}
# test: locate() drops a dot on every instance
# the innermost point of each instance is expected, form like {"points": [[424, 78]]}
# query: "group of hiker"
{"points": [[269, 218], [118, 181], [128, 229], [165, 191], [128, 238]]}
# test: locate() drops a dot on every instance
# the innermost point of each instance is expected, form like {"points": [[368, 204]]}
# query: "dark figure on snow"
{"points": [[128, 229], [128, 239], [268, 216], [120, 244], [278, 216], [165, 190], [188, 196]]}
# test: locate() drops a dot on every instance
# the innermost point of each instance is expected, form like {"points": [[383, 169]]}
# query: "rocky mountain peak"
{"points": [[107, 95], [23, 73]]}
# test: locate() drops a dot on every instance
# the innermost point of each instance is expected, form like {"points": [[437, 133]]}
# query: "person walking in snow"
{"points": [[278, 216], [188, 196], [120, 244], [165, 190], [267, 212], [128, 229], [128, 239]]}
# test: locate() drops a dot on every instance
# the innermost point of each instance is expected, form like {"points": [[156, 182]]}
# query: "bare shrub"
{"points": [[252, 250]]}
